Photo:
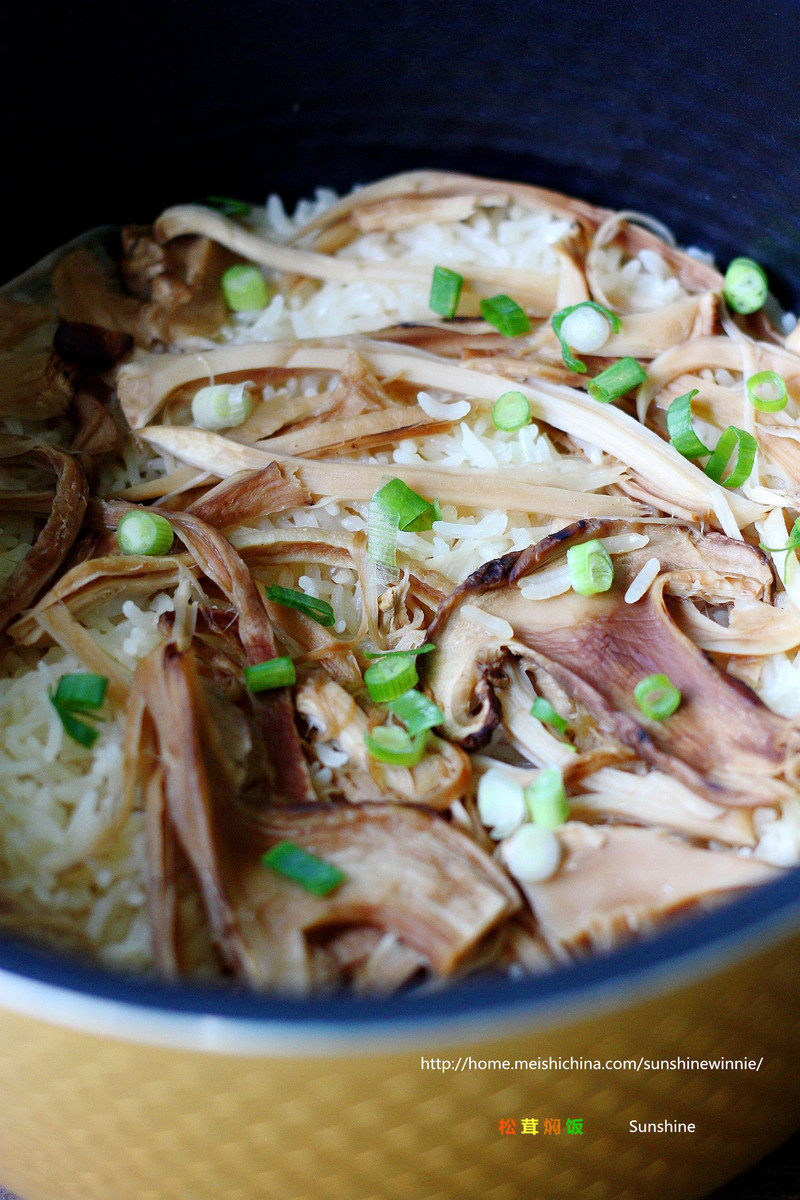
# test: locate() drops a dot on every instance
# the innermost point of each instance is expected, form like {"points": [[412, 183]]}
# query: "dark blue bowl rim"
{"points": [[688, 945]]}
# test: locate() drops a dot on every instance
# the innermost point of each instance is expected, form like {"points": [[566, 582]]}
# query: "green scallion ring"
{"points": [[745, 445], [505, 315], [657, 697], [144, 533], [416, 711], [558, 319], [792, 544], [245, 288], [274, 673], [546, 800], [590, 568], [405, 506], [746, 286], [543, 711], [388, 677], [221, 406], [679, 427], [80, 692], [80, 731], [394, 746], [310, 872], [445, 291], [767, 391], [616, 380], [511, 411]]}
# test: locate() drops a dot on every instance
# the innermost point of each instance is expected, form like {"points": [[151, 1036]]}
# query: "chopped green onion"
{"points": [[511, 411], [445, 291], [792, 544], [80, 692], [679, 427], [546, 800], [416, 711], [584, 327], [388, 677], [394, 507], [544, 712], [221, 406], [274, 673], [144, 533], [746, 287], [532, 854], [382, 531], [424, 521], [79, 731], [228, 206], [590, 568], [293, 862], [319, 610], [426, 649], [506, 316], [245, 288], [394, 746], [501, 805], [767, 391], [616, 380], [745, 445], [657, 697], [411, 510]]}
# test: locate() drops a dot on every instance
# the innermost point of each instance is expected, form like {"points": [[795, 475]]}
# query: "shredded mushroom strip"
{"points": [[377, 607]]}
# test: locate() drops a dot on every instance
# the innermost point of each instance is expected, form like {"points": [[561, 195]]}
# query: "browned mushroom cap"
{"points": [[174, 293], [406, 870], [60, 530], [722, 741], [35, 384], [90, 347]]}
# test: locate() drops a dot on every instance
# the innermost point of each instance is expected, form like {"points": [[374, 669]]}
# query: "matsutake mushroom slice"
{"points": [[616, 880], [722, 741], [442, 776], [60, 530], [406, 870], [218, 560]]}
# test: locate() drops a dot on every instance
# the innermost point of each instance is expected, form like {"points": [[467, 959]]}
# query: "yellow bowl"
{"points": [[115, 1088]]}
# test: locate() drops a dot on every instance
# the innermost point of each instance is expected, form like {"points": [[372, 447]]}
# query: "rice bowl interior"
{"points": [[554, 809]]}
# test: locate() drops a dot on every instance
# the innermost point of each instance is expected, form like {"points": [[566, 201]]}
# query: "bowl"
{"points": [[116, 1086]]}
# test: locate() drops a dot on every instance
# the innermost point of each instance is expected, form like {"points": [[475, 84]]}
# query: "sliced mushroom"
{"points": [[722, 742], [218, 561], [616, 881], [406, 871], [35, 384], [441, 777], [240, 499], [145, 386], [60, 530]]}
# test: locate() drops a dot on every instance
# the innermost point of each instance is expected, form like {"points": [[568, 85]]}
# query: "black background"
{"points": [[686, 109]]}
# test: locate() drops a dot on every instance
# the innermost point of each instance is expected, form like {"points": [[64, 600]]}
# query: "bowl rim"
{"points": [[44, 984]]}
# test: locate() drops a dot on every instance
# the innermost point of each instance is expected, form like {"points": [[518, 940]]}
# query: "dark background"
{"points": [[687, 110]]}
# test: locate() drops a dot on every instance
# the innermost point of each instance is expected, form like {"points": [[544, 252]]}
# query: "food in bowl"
{"points": [[400, 590]]}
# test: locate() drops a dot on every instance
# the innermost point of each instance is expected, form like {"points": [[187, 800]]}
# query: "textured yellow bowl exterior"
{"points": [[84, 1117]]}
